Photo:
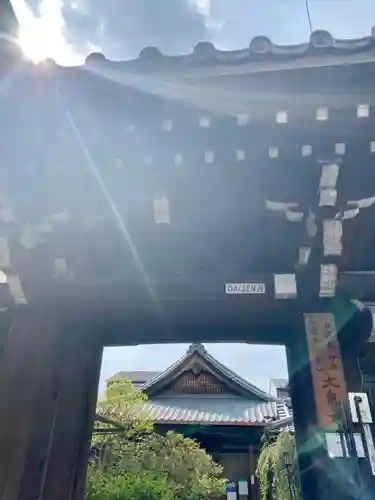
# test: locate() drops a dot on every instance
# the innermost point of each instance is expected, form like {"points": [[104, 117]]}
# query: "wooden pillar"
{"points": [[48, 378], [253, 490], [367, 365], [320, 378], [316, 386], [354, 335]]}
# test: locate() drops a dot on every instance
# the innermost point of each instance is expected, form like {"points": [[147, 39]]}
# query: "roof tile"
{"points": [[213, 410]]}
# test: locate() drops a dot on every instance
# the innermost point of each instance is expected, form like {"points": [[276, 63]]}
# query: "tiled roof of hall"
{"points": [[227, 373], [321, 49], [214, 411], [224, 412]]}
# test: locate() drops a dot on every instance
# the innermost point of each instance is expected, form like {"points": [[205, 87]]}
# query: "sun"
{"points": [[34, 43], [44, 36]]}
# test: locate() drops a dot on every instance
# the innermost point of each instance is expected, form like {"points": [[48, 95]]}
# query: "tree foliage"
{"points": [[154, 464], [123, 404], [276, 480]]}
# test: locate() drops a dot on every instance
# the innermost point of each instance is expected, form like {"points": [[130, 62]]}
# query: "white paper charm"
{"points": [[363, 202], [4, 253], [303, 255], [332, 237], [16, 289], [328, 280], [328, 197], [285, 286], [161, 210], [328, 178], [294, 216]]}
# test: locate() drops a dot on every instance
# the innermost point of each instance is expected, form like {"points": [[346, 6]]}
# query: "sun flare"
{"points": [[42, 36], [34, 43]]}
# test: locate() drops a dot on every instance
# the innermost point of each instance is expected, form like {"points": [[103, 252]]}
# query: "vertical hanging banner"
{"points": [[326, 367]]}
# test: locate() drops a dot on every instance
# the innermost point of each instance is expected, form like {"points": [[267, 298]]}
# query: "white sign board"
{"points": [[245, 288], [364, 407], [359, 445], [231, 491], [334, 444], [243, 488], [370, 447]]}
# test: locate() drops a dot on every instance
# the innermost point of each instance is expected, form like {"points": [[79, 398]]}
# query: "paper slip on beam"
{"points": [[245, 288]]}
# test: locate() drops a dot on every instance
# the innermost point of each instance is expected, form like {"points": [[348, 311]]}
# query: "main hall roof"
{"points": [[198, 349], [242, 403]]}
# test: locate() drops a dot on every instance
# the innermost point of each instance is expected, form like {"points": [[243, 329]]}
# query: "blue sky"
{"points": [[67, 30], [70, 29], [256, 363]]}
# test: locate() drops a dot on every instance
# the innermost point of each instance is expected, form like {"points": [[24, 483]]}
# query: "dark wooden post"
{"points": [[304, 409], [253, 492], [321, 373], [48, 379], [355, 331]]}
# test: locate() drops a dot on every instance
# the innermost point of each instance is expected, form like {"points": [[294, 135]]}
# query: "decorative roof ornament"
{"points": [[321, 39], [260, 45], [95, 58], [205, 50], [196, 348], [150, 54]]}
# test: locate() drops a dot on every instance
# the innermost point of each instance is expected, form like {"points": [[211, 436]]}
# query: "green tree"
{"points": [[171, 461], [276, 480], [125, 405]]}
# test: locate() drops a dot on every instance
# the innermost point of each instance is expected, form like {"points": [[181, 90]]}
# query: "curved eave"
{"points": [[261, 55]]}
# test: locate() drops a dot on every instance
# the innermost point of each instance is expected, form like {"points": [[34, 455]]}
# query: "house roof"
{"points": [[137, 376], [322, 49], [215, 411], [248, 405], [282, 424], [226, 373], [280, 383]]}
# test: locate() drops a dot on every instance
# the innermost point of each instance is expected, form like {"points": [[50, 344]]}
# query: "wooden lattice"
{"points": [[197, 383]]}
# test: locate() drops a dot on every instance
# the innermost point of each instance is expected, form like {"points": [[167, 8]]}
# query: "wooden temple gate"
{"points": [[218, 196]]}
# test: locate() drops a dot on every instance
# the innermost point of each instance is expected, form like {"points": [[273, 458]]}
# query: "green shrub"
{"points": [[127, 486], [139, 464]]}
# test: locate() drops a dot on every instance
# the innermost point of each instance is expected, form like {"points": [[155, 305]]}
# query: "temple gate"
{"points": [[217, 196]]}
